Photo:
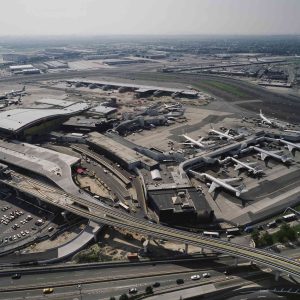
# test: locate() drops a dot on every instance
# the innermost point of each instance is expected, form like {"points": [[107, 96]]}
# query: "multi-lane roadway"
{"points": [[106, 215], [104, 282]]}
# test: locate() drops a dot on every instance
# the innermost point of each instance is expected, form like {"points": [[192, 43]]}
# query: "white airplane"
{"points": [[225, 135], [274, 154], [291, 146], [177, 104], [251, 167], [14, 93], [271, 122], [293, 131], [216, 183], [193, 142]]}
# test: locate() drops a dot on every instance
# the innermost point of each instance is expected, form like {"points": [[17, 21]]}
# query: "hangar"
{"points": [[29, 123]]}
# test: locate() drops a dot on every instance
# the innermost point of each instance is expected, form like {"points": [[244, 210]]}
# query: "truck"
{"points": [[132, 256]]}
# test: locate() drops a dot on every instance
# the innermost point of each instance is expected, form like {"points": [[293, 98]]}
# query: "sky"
{"points": [[149, 17]]}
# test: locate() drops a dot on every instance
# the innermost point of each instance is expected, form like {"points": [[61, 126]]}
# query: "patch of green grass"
{"points": [[225, 87]]}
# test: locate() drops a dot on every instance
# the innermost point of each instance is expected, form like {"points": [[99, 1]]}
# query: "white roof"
{"points": [[21, 67], [140, 87], [155, 174], [16, 119], [103, 109], [57, 102]]}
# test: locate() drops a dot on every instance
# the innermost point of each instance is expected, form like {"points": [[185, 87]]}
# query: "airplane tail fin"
{"points": [[240, 190], [23, 89]]}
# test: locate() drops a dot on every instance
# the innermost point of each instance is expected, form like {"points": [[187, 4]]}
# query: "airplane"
{"points": [[3, 97], [173, 107], [292, 131], [270, 122], [222, 135], [291, 146], [249, 166], [274, 154], [193, 142], [216, 183], [16, 93]]}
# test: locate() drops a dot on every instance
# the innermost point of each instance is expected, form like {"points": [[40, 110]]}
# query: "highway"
{"points": [[106, 282], [106, 215]]}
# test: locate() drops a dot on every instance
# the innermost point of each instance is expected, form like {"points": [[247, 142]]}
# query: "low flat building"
{"points": [[103, 111], [20, 68], [180, 206], [125, 156], [86, 124]]}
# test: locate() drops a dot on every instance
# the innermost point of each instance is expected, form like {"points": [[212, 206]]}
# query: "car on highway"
{"points": [[205, 275], [195, 277], [179, 281], [48, 290], [156, 284], [16, 276], [132, 290]]}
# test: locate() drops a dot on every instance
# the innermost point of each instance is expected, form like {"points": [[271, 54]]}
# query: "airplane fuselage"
{"points": [[220, 183], [199, 144], [250, 169], [222, 135], [291, 146], [265, 153]]}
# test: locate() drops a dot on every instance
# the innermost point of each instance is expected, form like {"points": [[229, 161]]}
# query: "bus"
{"points": [[124, 206], [234, 231], [211, 234], [289, 218]]}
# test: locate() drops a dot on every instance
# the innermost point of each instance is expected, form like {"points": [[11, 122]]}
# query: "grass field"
{"points": [[224, 87]]}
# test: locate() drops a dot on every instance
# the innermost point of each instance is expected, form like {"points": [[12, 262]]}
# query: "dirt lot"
{"points": [[116, 243]]}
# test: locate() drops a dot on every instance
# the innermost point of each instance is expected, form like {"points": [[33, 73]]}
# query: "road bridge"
{"points": [[100, 213], [102, 162]]}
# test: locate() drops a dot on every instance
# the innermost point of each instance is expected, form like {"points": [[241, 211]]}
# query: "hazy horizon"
{"points": [[149, 17]]}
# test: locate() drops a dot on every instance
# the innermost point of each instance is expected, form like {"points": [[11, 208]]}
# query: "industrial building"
{"points": [[85, 124], [20, 68], [182, 206], [56, 64], [103, 111], [125, 156], [140, 90], [31, 123]]}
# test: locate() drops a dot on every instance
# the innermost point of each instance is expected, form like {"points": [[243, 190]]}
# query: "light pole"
{"points": [[80, 288]]}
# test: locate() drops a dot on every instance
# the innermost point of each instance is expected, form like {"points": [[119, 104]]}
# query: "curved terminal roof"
{"points": [[17, 119]]}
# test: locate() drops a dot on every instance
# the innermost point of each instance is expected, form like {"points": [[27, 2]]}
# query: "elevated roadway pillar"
{"points": [[186, 248], [277, 275], [236, 261], [95, 237], [64, 214]]}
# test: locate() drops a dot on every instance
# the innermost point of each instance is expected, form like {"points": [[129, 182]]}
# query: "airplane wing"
{"points": [[213, 186], [227, 180], [238, 167], [292, 147], [200, 140], [263, 155]]}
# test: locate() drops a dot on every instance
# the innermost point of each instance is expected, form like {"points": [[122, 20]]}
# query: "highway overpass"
{"points": [[106, 215]]}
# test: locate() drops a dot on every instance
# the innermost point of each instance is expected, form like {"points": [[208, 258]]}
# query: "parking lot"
{"points": [[21, 220]]}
